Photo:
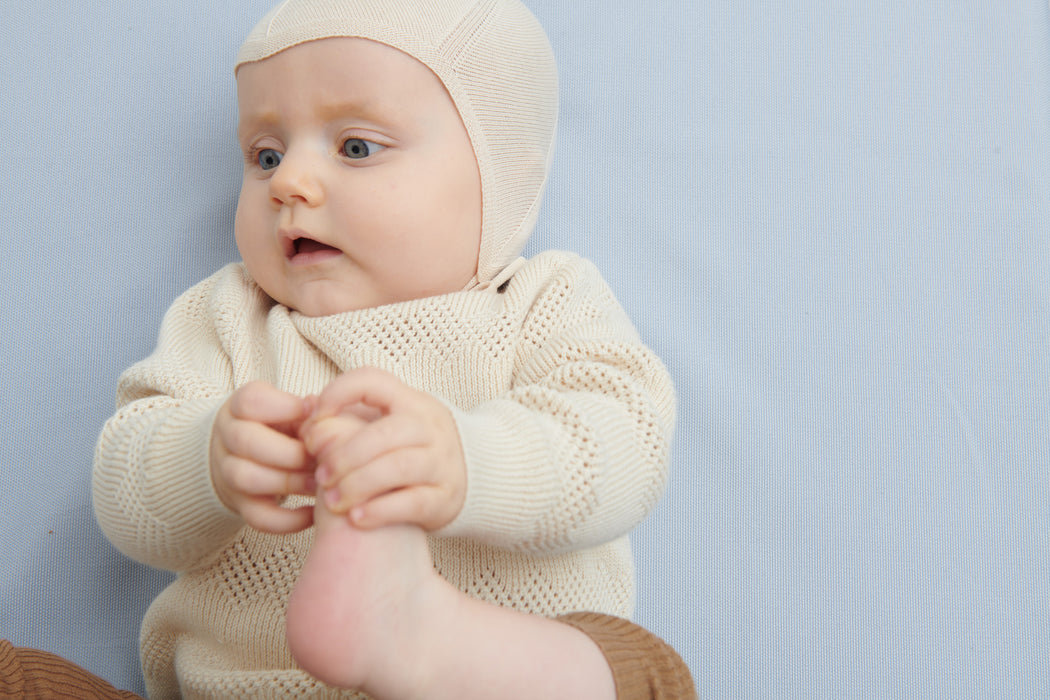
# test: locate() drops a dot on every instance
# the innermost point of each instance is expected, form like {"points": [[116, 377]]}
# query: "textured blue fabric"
{"points": [[830, 219]]}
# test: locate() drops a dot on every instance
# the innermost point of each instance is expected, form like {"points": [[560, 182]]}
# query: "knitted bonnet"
{"points": [[496, 64]]}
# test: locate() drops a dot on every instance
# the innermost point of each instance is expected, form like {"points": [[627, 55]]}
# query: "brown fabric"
{"points": [[643, 665], [31, 673]]}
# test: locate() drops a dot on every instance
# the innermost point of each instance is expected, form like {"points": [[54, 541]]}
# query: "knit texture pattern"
{"points": [[497, 65], [644, 666], [31, 673], [564, 416]]}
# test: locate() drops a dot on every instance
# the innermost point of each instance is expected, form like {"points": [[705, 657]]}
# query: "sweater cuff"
{"points": [[185, 497], [508, 495]]}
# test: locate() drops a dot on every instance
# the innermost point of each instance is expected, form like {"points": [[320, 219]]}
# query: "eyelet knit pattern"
{"points": [[564, 416]]}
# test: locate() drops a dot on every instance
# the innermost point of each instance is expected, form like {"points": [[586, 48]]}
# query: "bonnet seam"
{"points": [[269, 27]]}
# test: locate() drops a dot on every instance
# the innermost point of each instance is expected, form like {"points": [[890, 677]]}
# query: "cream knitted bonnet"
{"points": [[495, 62]]}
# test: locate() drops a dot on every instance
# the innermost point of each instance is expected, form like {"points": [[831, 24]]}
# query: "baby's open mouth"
{"points": [[307, 250], [305, 246]]}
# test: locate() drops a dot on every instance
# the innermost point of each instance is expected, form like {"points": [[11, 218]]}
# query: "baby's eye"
{"points": [[359, 148], [269, 158]]}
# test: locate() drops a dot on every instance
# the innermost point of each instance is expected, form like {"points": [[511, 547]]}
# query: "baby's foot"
{"points": [[362, 606]]}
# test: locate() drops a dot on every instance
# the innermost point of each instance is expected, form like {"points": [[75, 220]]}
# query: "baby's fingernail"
{"points": [[357, 515], [331, 498]]}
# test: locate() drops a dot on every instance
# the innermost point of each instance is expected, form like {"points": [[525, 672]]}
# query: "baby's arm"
{"points": [[152, 487], [575, 453]]}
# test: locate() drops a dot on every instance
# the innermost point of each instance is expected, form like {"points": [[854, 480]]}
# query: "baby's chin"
{"points": [[321, 305], [319, 302], [328, 307], [321, 298]]}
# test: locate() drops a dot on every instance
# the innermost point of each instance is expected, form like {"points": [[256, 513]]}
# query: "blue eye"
{"points": [[359, 148], [269, 158]]}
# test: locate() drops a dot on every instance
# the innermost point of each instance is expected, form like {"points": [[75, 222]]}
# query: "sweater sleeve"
{"points": [[151, 486], [575, 454]]}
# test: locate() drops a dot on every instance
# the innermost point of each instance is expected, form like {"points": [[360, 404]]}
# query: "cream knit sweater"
{"points": [[564, 416]]}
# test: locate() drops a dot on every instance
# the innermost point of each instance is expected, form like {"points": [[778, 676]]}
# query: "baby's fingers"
{"points": [[266, 515], [388, 473], [318, 435], [250, 479], [424, 506], [263, 403], [262, 444], [398, 438], [369, 387], [399, 487]]}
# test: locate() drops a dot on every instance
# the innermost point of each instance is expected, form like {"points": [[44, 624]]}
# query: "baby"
{"points": [[385, 452]]}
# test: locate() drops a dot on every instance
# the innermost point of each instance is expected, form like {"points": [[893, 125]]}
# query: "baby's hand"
{"points": [[386, 453], [257, 458]]}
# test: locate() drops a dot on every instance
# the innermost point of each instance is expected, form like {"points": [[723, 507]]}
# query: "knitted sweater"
{"points": [[564, 417]]}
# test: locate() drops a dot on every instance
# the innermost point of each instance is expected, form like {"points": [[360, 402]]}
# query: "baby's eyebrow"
{"points": [[364, 109], [254, 122]]}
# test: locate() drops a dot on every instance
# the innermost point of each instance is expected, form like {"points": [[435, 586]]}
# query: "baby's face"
{"points": [[360, 183]]}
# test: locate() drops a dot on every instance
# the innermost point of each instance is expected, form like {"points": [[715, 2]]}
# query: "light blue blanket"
{"points": [[830, 219]]}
